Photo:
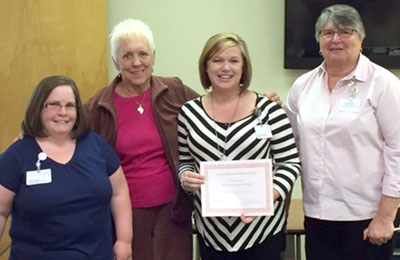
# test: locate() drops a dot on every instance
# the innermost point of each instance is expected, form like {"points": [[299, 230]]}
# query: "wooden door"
{"points": [[39, 38]]}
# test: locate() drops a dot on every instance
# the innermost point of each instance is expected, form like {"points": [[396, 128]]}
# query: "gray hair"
{"points": [[341, 16], [127, 29]]}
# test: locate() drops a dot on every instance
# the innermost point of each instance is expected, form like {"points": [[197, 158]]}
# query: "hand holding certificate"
{"points": [[233, 188]]}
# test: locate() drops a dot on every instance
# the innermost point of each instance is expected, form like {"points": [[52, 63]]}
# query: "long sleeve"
{"points": [[387, 113], [186, 162], [284, 152]]}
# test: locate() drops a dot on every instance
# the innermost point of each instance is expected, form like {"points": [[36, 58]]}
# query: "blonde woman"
{"points": [[221, 126]]}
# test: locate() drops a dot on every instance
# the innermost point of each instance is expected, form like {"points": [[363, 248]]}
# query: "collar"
{"points": [[107, 98], [360, 73]]}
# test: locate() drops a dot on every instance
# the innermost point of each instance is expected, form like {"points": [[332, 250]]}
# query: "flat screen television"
{"points": [[382, 25]]}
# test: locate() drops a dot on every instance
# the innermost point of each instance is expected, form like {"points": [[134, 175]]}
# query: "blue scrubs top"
{"points": [[70, 217]]}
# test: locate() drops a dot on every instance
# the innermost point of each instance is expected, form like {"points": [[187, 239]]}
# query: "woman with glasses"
{"points": [[345, 115], [62, 184]]}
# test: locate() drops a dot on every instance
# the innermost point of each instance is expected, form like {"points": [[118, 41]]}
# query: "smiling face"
{"points": [[225, 68], [59, 113], [135, 62], [339, 51]]}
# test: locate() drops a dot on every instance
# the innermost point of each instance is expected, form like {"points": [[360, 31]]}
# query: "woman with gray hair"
{"points": [[343, 114]]}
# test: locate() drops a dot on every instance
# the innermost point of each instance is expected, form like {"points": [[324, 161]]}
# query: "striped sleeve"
{"points": [[186, 162], [283, 151]]}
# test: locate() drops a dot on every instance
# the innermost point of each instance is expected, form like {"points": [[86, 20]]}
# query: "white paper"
{"points": [[233, 188]]}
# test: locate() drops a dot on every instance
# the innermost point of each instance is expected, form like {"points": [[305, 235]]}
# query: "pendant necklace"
{"points": [[140, 108], [222, 154]]}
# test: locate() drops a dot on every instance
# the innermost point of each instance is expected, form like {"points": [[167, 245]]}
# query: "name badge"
{"points": [[350, 105], [263, 131], [38, 177]]}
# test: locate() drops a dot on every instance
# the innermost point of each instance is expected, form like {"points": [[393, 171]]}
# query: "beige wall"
{"points": [[181, 27]]}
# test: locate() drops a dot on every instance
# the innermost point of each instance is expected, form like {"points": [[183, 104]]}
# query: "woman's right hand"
{"points": [[191, 181]]}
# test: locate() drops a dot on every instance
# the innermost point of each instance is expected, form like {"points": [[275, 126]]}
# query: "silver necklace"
{"points": [[222, 155], [140, 108]]}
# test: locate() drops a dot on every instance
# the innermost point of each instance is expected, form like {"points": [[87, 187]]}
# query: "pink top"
{"points": [[349, 140], [141, 151]]}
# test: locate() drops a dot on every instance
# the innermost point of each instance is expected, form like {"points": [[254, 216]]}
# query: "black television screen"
{"points": [[382, 25]]}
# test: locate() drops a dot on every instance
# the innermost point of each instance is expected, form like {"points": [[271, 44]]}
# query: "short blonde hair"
{"points": [[220, 42], [127, 29]]}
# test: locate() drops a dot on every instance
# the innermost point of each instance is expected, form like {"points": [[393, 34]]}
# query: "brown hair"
{"points": [[220, 42], [32, 123]]}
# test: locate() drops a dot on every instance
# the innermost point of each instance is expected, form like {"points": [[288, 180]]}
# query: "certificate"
{"points": [[235, 187]]}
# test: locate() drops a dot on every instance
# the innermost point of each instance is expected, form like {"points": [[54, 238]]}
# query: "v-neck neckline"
{"points": [[53, 160]]}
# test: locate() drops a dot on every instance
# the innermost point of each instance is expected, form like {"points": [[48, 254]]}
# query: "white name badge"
{"points": [[38, 177], [263, 131], [350, 105]]}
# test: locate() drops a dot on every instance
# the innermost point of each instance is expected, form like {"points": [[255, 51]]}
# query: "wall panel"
{"points": [[41, 38]]}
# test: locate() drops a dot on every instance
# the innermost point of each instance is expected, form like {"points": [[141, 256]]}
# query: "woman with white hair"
{"points": [[137, 114]]}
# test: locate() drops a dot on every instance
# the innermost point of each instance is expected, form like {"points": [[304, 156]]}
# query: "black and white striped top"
{"points": [[199, 139]]}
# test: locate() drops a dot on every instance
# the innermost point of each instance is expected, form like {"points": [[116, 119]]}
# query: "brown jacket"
{"points": [[169, 94]]}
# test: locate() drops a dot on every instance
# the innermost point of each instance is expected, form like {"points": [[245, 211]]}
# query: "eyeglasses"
{"points": [[57, 106], [342, 33]]}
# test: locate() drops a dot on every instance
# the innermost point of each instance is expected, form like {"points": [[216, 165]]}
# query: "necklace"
{"points": [[140, 108], [222, 154]]}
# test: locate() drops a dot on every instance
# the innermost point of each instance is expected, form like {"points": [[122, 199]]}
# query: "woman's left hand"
{"points": [[274, 97], [380, 230], [249, 219], [122, 250]]}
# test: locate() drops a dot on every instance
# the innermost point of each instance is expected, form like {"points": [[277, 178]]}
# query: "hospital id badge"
{"points": [[263, 131], [350, 105], [38, 177]]}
